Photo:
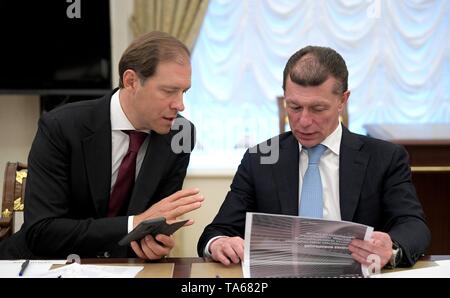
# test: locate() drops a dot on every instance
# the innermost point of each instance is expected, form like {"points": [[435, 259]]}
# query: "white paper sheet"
{"points": [[291, 246], [11, 269], [76, 270]]}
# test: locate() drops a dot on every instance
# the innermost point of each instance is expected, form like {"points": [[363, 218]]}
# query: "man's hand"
{"points": [[173, 206], [152, 250], [227, 250], [380, 244]]}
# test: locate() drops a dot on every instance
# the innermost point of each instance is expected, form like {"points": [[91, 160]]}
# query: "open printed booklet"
{"points": [[292, 246]]}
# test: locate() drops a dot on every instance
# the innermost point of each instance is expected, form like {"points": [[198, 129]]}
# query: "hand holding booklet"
{"points": [[292, 246]]}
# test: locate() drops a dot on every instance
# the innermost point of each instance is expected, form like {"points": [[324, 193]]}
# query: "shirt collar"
{"points": [[333, 141], [119, 120]]}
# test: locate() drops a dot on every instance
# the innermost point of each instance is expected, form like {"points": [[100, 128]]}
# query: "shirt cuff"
{"points": [[130, 223], [206, 252]]}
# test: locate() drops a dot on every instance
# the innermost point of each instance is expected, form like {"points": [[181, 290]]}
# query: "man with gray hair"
{"points": [[357, 179]]}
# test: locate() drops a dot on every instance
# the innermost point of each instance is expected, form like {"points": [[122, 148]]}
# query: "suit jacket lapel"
{"points": [[352, 168], [286, 177], [150, 173], [97, 151]]}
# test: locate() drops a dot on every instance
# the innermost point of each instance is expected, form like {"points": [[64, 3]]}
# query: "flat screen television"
{"points": [[43, 51]]}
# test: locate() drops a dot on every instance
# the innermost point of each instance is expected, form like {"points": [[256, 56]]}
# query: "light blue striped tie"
{"points": [[311, 200]]}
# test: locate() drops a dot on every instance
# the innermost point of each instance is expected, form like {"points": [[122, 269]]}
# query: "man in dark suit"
{"points": [[361, 179], [98, 168]]}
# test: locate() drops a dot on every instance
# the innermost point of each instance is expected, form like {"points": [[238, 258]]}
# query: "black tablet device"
{"points": [[153, 227]]}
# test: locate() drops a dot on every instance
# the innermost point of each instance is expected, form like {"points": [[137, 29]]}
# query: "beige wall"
{"points": [[18, 124], [213, 188]]}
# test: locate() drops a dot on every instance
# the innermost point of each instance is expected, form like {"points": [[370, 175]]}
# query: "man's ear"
{"points": [[343, 100], [130, 79]]}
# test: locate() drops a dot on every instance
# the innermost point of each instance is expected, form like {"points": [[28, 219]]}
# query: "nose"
{"points": [[305, 119], [178, 104]]}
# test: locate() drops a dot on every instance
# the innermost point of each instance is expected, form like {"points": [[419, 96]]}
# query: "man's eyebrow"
{"points": [[320, 103], [174, 87], [169, 87]]}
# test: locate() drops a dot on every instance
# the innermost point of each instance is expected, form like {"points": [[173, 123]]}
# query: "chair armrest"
{"points": [[5, 222], [5, 227]]}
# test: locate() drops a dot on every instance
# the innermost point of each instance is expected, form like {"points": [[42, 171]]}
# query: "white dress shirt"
{"points": [[329, 173], [120, 142]]}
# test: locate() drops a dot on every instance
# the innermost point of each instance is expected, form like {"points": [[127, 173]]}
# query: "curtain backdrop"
{"points": [[397, 52], [180, 18]]}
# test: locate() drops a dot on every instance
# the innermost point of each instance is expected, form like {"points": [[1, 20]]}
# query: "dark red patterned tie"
{"points": [[123, 187]]}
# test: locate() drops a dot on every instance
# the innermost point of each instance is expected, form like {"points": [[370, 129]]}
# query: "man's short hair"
{"points": [[147, 51], [312, 65]]}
